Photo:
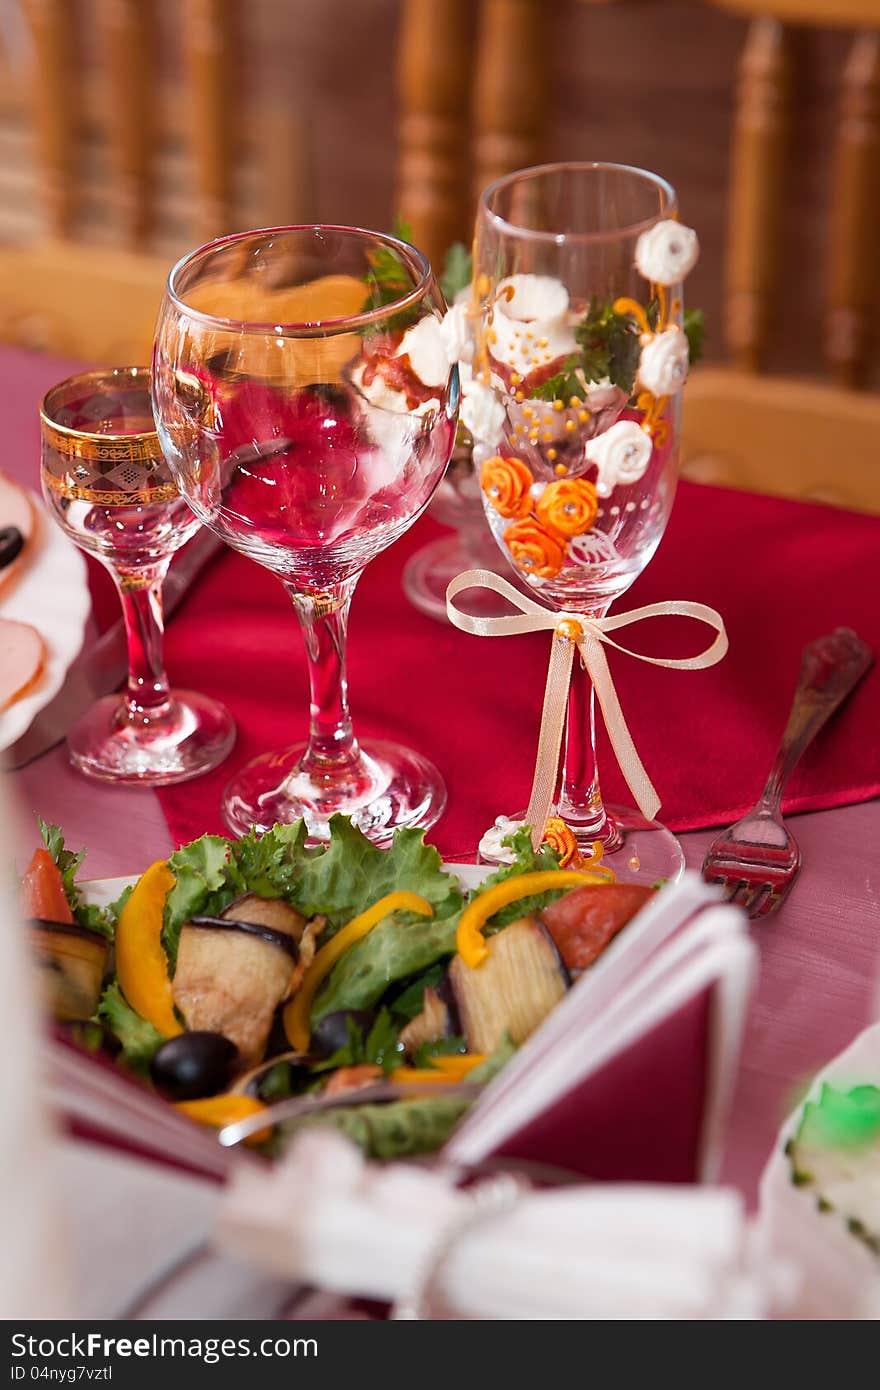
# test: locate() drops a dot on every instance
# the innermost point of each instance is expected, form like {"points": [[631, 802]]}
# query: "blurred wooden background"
{"points": [[312, 119], [144, 127]]}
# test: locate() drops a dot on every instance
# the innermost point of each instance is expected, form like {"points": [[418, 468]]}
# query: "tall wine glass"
{"points": [[308, 409], [107, 485], [585, 461]]}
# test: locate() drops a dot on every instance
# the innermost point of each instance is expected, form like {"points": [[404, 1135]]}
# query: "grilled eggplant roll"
{"points": [[511, 992], [73, 962], [233, 971]]}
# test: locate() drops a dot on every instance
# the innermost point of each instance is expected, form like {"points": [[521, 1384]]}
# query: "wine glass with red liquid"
{"points": [[307, 409]]}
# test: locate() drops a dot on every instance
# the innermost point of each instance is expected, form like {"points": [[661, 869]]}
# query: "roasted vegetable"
{"points": [[193, 1065], [140, 960], [352, 1078], [513, 990], [42, 890], [73, 961], [231, 975], [432, 1023], [584, 921], [220, 1111]]}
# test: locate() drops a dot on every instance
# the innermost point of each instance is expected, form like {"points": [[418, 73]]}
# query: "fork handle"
{"points": [[831, 668]]}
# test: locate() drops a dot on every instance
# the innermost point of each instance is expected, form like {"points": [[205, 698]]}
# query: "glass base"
{"points": [[638, 850], [428, 573], [191, 737], [394, 787]]}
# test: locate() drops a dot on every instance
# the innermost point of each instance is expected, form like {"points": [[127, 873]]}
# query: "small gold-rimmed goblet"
{"points": [[108, 486]]}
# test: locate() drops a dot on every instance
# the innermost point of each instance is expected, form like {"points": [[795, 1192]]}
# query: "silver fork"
{"points": [[757, 860]]}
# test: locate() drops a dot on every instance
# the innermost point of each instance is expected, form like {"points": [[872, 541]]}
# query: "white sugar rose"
{"points": [[457, 334], [531, 326], [667, 252], [423, 345], [621, 454], [663, 365], [482, 413]]}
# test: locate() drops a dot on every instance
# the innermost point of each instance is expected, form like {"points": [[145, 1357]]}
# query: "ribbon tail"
{"points": [[630, 763], [550, 737]]}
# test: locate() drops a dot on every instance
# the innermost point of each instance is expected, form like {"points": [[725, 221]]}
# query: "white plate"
{"points": [[837, 1275], [52, 594]]}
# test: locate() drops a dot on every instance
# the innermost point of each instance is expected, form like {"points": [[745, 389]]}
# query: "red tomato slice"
{"points": [[583, 921], [42, 890]]}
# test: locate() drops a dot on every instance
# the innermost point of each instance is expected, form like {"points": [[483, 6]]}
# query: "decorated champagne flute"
{"points": [[574, 354], [307, 408]]}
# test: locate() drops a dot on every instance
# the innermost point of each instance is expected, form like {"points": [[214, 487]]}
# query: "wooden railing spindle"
{"points": [[434, 93], [757, 189], [854, 213], [511, 98], [56, 106], [128, 53], [208, 43]]}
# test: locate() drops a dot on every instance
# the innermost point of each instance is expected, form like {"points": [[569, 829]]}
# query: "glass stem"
{"points": [[580, 797], [146, 695], [332, 746]]}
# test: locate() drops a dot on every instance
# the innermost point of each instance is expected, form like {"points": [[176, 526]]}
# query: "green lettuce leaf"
{"points": [[270, 864], [139, 1039], [97, 919], [207, 881], [526, 861], [401, 945], [438, 1047], [351, 873]]}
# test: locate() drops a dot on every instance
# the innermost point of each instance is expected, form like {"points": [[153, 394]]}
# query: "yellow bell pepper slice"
{"points": [[140, 958], [443, 1070], [297, 1014], [220, 1111], [471, 943]]}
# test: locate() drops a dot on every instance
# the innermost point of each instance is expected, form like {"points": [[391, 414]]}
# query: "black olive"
{"points": [[332, 1032], [11, 542], [193, 1065]]}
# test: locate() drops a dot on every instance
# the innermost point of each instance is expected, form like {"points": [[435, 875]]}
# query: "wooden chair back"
{"points": [[805, 439], [815, 440], [99, 301]]}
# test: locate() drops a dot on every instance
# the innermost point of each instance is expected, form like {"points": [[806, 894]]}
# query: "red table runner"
{"points": [[780, 572]]}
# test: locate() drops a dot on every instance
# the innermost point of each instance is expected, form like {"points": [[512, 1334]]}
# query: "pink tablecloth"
{"points": [[819, 955]]}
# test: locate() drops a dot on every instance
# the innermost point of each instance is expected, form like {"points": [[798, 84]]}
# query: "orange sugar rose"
{"points": [[568, 506], [535, 550], [506, 483], [561, 839]]}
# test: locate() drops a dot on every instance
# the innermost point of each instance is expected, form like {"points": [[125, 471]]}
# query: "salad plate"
{"points": [[257, 985], [51, 594]]}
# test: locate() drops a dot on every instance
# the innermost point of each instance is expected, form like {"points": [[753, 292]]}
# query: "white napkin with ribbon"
{"points": [[324, 1216]]}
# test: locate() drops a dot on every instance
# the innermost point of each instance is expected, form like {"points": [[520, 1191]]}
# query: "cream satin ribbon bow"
{"points": [[588, 634]]}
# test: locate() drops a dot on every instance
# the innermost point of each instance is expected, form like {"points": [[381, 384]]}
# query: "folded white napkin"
{"points": [[324, 1216]]}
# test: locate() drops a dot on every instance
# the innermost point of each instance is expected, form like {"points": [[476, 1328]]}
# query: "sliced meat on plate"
{"points": [[18, 521], [22, 654]]}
